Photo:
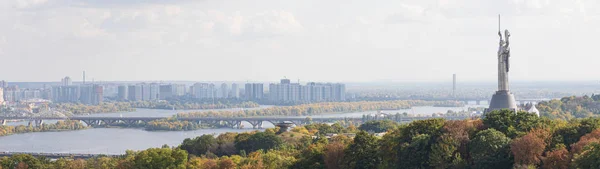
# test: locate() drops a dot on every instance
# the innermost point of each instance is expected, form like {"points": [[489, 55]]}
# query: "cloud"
{"points": [[23, 4], [408, 14]]}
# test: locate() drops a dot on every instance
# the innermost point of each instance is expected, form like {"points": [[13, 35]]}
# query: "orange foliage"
{"points": [[593, 137], [557, 159], [527, 150], [334, 153], [226, 163]]}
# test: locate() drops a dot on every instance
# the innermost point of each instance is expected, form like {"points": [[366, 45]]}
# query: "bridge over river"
{"points": [[232, 122]]}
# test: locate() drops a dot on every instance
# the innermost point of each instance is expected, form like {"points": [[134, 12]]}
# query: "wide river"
{"points": [[117, 140]]}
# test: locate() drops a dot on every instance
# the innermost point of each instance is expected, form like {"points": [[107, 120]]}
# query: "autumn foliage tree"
{"points": [[527, 150], [557, 159], [334, 155]]}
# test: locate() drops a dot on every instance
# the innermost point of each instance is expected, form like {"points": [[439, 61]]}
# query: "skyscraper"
{"points": [[134, 93], [254, 91], [122, 93], [66, 81], [91, 94], [154, 91], [1, 96], [235, 91], [203, 90], [166, 92], [65, 93], [223, 91], [286, 92], [454, 85]]}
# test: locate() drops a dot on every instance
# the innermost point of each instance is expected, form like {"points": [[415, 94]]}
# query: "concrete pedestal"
{"points": [[502, 100]]}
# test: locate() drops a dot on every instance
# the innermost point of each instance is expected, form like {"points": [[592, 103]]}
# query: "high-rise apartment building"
{"points": [[235, 91], [223, 91], [166, 92], [122, 93], [254, 91], [1, 96], [286, 92], [134, 93], [203, 90], [66, 81], [65, 93], [91, 94], [154, 91]]}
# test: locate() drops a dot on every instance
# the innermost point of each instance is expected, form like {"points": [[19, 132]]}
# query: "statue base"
{"points": [[502, 99]]}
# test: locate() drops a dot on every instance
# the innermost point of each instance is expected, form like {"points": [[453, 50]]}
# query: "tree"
{"points": [[557, 159], [589, 157], [26, 160], [527, 150], [378, 126], [226, 144], [257, 141], [490, 149], [431, 127], [102, 163], [362, 153], [226, 163], [510, 123], [161, 158], [199, 145], [444, 154], [334, 155]]}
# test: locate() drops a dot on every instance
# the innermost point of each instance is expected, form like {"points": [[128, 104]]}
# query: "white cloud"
{"points": [[248, 39], [22, 4]]}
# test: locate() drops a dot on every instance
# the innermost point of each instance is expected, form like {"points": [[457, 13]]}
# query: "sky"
{"points": [[310, 40]]}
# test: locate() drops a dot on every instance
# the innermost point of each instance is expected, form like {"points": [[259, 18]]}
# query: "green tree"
{"points": [[199, 145], [161, 158], [490, 149], [257, 141], [362, 153], [589, 158], [445, 153], [510, 123], [25, 159], [378, 126]]}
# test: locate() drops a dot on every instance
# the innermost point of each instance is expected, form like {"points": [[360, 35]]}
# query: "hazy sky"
{"points": [[311, 40]]}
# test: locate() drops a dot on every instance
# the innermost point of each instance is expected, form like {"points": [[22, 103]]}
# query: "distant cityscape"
{"points": [[93, 93]]}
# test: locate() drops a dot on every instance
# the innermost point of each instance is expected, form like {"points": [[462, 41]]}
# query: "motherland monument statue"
{"points": [[503, 98]]}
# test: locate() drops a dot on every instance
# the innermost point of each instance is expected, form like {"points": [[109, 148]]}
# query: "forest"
{"points": [[321, 108], [81, 109], [571, 107], [502, 139], [58, 126], [187, 104]]}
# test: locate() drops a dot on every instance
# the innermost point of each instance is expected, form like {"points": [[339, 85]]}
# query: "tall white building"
{"points": [[286, 92], [122, 93], [66, 81], [154, 91], [235, 91], [203, 90], [254, 91], [1, 96], [223, 91]]}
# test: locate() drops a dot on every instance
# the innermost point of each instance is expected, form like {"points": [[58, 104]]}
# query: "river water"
{"points": [[117, 140]]}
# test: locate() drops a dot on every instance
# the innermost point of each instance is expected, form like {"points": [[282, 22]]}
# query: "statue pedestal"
{"points": [[502, 99]]}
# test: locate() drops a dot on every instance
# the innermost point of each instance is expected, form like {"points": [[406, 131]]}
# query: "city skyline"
{"points": [[388, 41]]}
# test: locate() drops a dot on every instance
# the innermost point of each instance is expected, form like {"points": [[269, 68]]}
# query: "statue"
{"points": [[503, 59], [504, 49], [503, 98]]}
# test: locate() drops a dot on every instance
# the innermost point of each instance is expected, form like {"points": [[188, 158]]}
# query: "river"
{"points": [[117, 140]]}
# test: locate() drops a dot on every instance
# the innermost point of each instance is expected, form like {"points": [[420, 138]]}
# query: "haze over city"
{"points": [[339, 41]]}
